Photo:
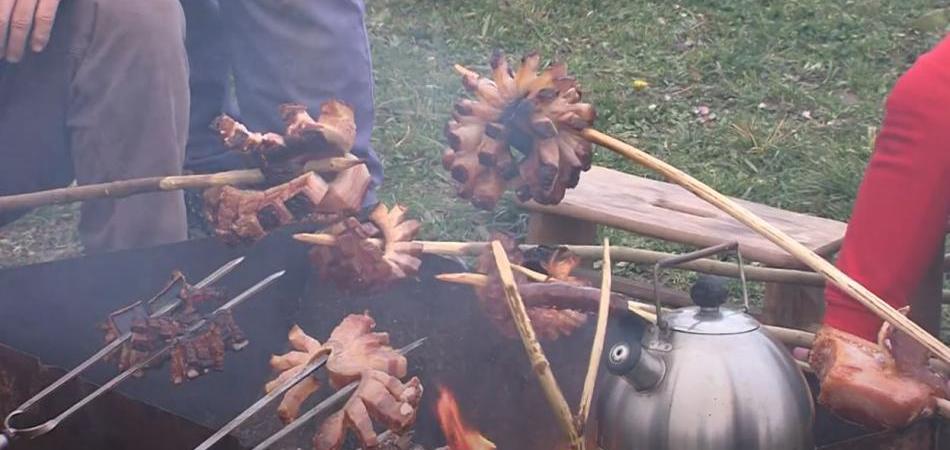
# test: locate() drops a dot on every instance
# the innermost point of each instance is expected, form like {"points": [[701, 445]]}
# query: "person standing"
{"points": [[96, 91], [896, 233], [291, 51]]}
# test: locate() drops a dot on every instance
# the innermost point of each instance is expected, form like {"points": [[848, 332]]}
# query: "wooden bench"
{"points": [[669, 212]]}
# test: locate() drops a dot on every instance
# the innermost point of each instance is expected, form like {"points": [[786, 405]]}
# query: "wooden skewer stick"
{"points": [[626, 254], [788, 336], [776, 236], [597, 348], [125, 188], [539, 362]]}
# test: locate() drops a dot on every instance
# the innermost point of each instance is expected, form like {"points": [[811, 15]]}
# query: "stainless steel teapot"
{"points": [[704, 377]]}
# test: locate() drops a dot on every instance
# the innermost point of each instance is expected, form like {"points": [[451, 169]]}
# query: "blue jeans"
{"points": [[301, 51]]}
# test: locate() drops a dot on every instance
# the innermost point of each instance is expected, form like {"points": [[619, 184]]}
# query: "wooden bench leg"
{"points": [[793, 306], [803, 307], [544, 228]]}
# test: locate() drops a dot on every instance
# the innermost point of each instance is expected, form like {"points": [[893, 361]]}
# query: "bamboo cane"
{"points": [[776, 236], [597, 347], [625, 254], [539, 362], [125, 188]]}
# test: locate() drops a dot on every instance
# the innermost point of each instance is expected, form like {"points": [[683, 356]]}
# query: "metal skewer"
{"points": [[309, 369], [31, 432], [330, 403], [112, 346]]}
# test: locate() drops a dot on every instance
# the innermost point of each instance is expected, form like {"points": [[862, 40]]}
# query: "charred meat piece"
{"points": [[193, 296], [192, 353], [247, 215], [552, 318], [537, 113], [231, 335], [197, 355], [380, 396], [368, 256], [860, 382], [282, 157], [190, 356], [334, 132], [238, 138]]}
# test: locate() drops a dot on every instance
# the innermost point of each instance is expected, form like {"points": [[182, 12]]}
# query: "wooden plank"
{"points": [[669, 212]]}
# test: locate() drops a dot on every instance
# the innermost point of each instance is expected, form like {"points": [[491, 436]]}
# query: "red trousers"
{"points": [[900, 215]]}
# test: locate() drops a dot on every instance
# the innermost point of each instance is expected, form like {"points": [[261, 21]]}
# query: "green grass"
{"points": [[762, 67]]}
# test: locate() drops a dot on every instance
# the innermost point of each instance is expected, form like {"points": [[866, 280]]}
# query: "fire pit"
{"points": [[52, 309]]}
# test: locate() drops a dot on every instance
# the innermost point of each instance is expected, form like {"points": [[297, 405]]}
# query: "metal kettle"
{"points": [[704, 377]]}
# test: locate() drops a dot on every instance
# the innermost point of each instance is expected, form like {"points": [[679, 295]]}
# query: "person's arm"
{"points": [[901, 210], [23, 21]]}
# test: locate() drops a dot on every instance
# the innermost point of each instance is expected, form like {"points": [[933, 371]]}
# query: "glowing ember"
{"points": [[458, 435]]}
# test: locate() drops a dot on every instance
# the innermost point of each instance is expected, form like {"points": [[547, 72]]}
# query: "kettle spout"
{"points": [[642, 368]]}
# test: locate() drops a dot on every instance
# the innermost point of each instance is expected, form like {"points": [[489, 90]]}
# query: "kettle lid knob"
{"points": [[709, 291]]}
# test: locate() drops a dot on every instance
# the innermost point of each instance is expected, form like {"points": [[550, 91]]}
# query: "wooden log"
{"points": [[125, 188], [539, 362], [776, 236]]}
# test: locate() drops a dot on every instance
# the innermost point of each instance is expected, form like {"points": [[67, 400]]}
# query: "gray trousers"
{"points": [[301, 51], [107, 100]]}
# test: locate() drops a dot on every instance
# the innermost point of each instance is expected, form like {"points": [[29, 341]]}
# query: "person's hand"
{"points": [[22, 22]]}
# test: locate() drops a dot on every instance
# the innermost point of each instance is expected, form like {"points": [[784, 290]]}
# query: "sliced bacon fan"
{"points": [[356, 353], [367, 256], [296, 193], [538, 114]]}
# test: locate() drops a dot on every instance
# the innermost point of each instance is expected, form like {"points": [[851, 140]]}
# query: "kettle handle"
{"points": [[673, 261]]}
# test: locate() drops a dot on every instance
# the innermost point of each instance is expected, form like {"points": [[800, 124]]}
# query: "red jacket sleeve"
{"points": [[901, 210]]}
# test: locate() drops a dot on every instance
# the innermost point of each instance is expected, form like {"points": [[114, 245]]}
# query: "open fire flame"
{"points": [[458, 435]]}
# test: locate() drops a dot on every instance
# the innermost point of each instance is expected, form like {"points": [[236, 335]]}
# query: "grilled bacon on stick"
{"points": [[367, 256], [538, 114], [355, 353], [550, 321], [862, 382], [288, 162]]}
